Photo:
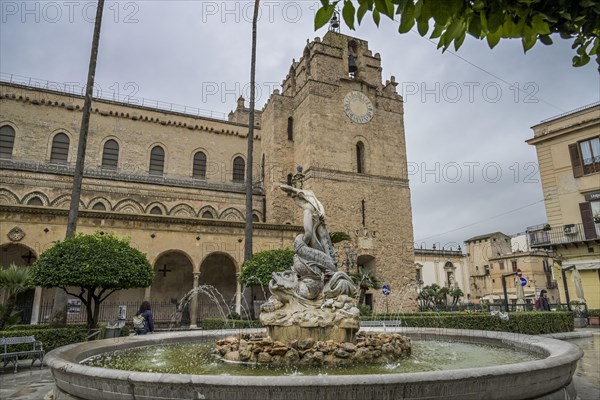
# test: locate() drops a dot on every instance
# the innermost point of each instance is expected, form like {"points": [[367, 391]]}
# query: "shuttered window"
{"points": [[110, 155], [199, 167], [60, 148], [587, 220], [239, 169], [7, 141], [157, 161], [585, 157]]}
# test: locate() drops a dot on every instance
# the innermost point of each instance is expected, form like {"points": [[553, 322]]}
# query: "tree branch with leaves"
{"points": [[450, 21]]}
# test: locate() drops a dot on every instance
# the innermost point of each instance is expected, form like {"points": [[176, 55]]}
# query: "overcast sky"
{"points": [[467, 115]]}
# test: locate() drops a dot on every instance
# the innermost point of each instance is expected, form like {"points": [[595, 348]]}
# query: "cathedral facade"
{"points": [[173, 182]]}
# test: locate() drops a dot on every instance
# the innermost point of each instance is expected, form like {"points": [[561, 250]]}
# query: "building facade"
{"points": [[493, 255], [445, 268], [174, 182], [568, 151]]}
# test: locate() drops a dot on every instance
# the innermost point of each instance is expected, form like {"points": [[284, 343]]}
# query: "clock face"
{"points": [[358, 107]]}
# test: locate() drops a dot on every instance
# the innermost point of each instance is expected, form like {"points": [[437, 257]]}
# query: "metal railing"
{"points": [[163, 312], [114, 174], [543, 235], [71, 89]]}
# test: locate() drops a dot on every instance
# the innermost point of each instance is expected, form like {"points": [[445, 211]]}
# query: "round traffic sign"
{"points": [[523, 281], [386, 290]]}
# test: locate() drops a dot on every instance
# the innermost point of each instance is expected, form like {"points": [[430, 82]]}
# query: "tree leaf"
{"points": [[422, 27], [348, 13], [376, 17], [546, 39], [474, 27], [362, 10], [493, 38], [323, 16], [407, 19]]}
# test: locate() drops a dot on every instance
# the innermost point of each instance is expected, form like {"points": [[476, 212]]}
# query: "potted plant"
{"points": [[579, 313], [547, 227], [594, 316]]}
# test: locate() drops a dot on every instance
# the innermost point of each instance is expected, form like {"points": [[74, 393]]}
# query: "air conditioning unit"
{"points": [[570, 229]]}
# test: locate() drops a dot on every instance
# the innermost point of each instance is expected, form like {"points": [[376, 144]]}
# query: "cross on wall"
{"points": [[28, 257], [164, 270]]}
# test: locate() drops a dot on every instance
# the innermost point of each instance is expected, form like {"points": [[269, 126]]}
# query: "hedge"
{"points": [[220, 323], [531, 323], [52, 338]]}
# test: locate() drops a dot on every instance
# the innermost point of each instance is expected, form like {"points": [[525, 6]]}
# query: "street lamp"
{"points": [[350, 257]]}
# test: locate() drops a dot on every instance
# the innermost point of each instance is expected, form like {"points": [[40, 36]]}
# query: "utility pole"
{"points": [[59, 308]]}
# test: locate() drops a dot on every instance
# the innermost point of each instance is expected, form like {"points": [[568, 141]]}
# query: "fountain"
{"points": [[312, 307]]}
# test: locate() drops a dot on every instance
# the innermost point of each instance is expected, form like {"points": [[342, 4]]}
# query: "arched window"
{"points": [[157, 161], [239, 169], [110, 155], [199, 167], [207, 214], [291, 128], [360, 158], [35, 201], [60, 148], [255, 218], [99, 207], [7, 141], [156, 210]]}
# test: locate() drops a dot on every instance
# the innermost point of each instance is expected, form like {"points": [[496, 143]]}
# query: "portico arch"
{"points": [[219, 271], [173, 277]]}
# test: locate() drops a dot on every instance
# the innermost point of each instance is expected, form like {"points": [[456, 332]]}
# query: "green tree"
{"points": [[456, 295], [13, 280], [451, 20], [91, 268], [259, 269], [365, 280]]}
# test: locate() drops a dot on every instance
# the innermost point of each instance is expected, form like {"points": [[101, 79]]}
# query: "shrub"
{"points": [[259, 269], [531, 323], [594, 312]]}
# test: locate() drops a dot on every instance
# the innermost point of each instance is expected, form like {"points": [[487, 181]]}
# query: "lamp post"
{"points": [[350, 260]]}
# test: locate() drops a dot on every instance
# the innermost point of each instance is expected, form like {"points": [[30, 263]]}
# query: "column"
{"points": [[148, 293], [194, 307], [35, 312], [238, 295]]}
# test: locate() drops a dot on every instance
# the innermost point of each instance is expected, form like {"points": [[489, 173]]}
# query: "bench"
{"points": [[7, 357]]}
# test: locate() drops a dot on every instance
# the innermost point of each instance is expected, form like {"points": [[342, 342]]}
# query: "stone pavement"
{"points": [[36, 383]]}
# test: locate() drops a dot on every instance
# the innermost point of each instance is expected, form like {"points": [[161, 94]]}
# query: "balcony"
{"points": [[547, 236]]}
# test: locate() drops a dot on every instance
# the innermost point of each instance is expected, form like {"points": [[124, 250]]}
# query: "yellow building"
{"points": [[491, 256], [173, 181], [568, 151]]}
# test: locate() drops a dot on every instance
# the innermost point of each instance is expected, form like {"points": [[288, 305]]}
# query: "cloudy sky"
{"points": [[467, 114]]}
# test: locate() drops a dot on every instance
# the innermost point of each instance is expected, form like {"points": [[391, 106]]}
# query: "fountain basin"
{"points": [[548, 378]]}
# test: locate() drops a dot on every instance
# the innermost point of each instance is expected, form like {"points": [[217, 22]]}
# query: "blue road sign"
{"points": [[523, 281], [386, 290]]}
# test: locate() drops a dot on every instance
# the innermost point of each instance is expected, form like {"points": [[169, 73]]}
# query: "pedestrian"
{"points": [[142, 321], [542, 302]]}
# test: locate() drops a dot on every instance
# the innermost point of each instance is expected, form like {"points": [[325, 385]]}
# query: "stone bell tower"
{"points": [[336, 119]]}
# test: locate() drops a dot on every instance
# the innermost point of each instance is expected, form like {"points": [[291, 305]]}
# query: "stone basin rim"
{"points": [[556, 353]]}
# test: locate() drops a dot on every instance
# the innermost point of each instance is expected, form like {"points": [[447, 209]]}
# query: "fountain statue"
{"points": [[313, 299], [311, 316]]}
